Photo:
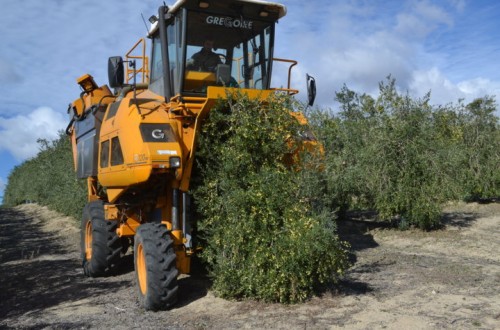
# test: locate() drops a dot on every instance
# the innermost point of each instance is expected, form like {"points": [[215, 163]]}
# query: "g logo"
{"points": [[158, 134], [228, 22]]}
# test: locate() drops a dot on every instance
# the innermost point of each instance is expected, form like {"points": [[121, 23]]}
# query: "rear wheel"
{"points": [[154, 259], [100, 245]]}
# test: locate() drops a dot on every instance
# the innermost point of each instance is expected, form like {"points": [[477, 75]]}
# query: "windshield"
{"points": [[227, 51]]}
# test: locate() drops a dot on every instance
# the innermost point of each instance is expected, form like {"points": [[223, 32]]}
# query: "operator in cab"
{"points": [[205, 59]]}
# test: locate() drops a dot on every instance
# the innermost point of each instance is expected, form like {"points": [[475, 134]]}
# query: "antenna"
{"points": [[145, 24]]}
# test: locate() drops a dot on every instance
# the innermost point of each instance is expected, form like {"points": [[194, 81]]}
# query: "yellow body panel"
{"points": [[197, 80], [139, 158]]}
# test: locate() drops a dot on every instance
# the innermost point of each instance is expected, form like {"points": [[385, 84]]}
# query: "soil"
{"points": [[444, 279]]}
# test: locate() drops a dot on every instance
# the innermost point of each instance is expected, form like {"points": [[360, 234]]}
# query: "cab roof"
{"points": [[256, 9], [271, 7]]}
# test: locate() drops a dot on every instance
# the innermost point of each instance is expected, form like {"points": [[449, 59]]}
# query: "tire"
{"points": [[100, 245], [154, 260]]}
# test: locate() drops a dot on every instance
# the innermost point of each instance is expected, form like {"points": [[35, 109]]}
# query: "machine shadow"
{"points": [[194, 286], [37, 271]]}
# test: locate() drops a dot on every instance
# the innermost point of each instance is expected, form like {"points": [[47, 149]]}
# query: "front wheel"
{"points": [[154, 259], [100, 245]]}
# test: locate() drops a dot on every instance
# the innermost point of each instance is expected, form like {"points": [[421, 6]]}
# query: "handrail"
{"points": [[143, 69], [288, 89]]}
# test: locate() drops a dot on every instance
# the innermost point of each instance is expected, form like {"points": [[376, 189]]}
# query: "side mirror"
{"points": [[311, 89], [115, 71]]}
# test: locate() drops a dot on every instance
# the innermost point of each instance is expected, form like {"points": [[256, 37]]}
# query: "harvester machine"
{"points": [[135, 145]]}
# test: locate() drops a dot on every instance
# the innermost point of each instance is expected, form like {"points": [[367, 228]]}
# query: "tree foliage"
{"points": [[48, 179], [266, 236], [480, 136], [404, 157]]}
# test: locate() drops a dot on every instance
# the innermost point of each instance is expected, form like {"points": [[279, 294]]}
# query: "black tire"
{"points": [[100, 245], [156, 273]]}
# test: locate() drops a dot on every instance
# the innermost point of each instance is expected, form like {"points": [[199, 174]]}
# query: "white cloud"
{"points": [[442, 90], [337, 49], [359, 44], [479, 87], [18, 135], [421, 19], [431, 13], [445, 91], [46, 56]]}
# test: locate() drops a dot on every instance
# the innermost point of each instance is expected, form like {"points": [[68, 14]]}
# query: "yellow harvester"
{"points": [[136, 145]]}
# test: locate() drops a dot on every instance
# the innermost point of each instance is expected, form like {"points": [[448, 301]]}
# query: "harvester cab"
{"points": [[212, 43], [136, 145]]}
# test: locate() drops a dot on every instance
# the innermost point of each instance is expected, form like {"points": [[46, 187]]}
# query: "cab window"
{"points": [[227, 51]]}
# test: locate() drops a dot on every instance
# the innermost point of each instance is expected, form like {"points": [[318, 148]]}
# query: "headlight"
{"points": [[157, 133], [175, 162]]}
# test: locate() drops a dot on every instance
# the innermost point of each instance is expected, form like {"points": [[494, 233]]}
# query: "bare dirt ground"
{"points": [[445, 279]]}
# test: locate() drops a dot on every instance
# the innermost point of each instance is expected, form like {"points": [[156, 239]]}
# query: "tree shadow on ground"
{"points": [[464, 219], [480, 200], [354, 228], [458, 219], [37, 271]]}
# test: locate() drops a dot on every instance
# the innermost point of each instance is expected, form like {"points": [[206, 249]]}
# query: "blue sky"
{"points": [[450, 47]]}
